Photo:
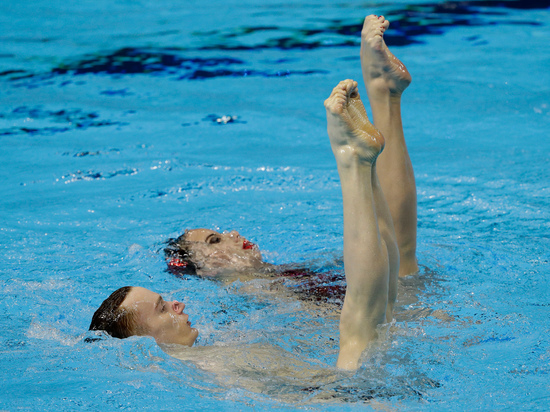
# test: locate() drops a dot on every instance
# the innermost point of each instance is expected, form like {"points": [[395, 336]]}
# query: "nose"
{"points": [[234, 233], [178, 307]]}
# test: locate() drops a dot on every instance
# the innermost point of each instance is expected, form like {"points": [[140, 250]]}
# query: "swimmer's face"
{"points": [[164, 321], [214, 250]]}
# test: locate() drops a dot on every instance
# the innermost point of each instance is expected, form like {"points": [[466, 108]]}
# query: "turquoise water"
{"points": [[110, 145]]}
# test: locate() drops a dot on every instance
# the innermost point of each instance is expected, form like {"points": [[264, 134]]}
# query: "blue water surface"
{"points": [[114, 139]]}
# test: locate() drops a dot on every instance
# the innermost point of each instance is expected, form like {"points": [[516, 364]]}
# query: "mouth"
{"points": [[248, 245]]}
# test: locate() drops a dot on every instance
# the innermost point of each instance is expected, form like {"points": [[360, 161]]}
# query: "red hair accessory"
{"points": [[176, 262]]}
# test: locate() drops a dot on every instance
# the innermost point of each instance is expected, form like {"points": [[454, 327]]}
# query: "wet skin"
{"points": [[223, 250], [164, 321]]}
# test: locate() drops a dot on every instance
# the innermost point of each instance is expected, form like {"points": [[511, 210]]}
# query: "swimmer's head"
{"points": [[149, 314], [206, 251]]}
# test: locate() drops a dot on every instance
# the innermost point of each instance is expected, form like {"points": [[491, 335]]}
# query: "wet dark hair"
{"points": [[179, 256], [111, 318]]}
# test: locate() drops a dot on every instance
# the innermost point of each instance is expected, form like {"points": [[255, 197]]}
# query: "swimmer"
{"points": [[372, 248], [209, 253]]}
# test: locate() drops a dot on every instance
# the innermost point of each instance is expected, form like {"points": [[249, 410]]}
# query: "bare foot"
{"points": [[352, 136], [382, 71]]}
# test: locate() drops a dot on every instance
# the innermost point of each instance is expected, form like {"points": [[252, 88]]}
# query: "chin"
{"points": [[188, 341], [195, 336]]}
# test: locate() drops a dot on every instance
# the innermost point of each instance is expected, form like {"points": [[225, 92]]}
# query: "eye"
{"points": [[214, 239], [163, 307]]}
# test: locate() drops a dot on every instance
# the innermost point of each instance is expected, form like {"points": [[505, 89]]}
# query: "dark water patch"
{"points": [[86, 153], [514, 4], [38, 113], [296, 42], [44, 131], [92, 175], [408, 24], [70, 119], [12, 74], [217, 120], [50, 131], [13, 344], [434, 19], [139, 61], [491, 339], [208, 74], [221, 120], [121, 92], [166, 62], [155, 62]]}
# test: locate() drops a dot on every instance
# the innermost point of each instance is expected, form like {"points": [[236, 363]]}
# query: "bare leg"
{"points": [[386, 78], [387, 232], [370, 251]]}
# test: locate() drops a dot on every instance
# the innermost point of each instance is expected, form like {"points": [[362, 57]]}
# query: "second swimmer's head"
{"points": [[206, 251]]}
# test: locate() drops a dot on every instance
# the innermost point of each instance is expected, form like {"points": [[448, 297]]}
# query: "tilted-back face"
{"points": [[164, 321], [209, 250]]}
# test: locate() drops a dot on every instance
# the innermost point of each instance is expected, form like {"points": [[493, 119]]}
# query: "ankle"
{"points": [[379, 90]]}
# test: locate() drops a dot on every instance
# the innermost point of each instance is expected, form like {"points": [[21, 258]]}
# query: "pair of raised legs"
{"points": [[378, 190]]}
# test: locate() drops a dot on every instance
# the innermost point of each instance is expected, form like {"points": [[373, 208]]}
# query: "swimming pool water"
{"points": [[110, 146]]}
